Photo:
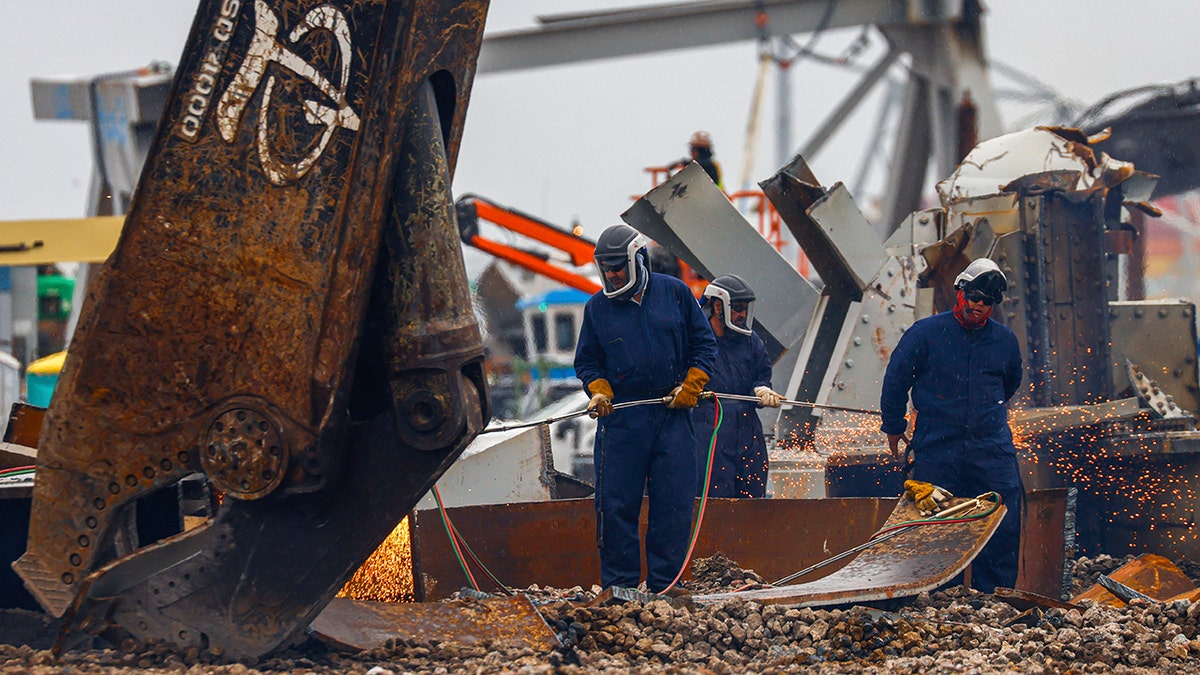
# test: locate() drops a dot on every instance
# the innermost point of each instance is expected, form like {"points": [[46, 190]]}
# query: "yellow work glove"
{"points": [[767, 397], [927, 496], [687, 394], [602, 396]]}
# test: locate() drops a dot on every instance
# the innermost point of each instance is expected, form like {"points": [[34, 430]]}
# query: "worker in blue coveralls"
{"points": [[739, 458], [643, 337], [962, 367]]}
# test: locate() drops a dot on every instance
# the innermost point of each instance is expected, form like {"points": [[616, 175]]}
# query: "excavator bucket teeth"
{"points": [[286, 313]]}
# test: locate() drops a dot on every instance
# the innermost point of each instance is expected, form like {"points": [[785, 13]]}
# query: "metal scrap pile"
{"points": [[950, 631]]}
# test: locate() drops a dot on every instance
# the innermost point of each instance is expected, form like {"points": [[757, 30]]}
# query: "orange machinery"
{"points": [[473, 208]]}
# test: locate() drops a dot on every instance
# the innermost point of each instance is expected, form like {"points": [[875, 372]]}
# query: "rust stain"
{"points": [[881, 344]]}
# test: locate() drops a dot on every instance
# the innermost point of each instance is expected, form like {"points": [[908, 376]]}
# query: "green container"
{"points": [[54, 297]]}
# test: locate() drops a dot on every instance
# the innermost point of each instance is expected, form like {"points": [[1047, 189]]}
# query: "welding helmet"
{"points": [[734, 293], [982, 278], [621, 247], [700, 139]]}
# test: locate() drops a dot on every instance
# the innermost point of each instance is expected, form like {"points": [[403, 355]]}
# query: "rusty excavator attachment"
{"points": [[286, 314]]}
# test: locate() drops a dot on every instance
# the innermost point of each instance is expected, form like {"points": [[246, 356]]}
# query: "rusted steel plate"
{"points": [[916, 560], [286, 311], [554, 543], [1192, 595], [776, 537], [1024, 600], [359, 625], [24, 424], [1047, 541], [1148, 574]]}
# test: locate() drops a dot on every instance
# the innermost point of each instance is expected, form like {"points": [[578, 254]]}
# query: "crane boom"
{"points": [[472, 208]]}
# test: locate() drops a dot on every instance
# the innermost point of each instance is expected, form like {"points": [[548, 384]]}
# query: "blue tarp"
{"points": [[560, 296]]}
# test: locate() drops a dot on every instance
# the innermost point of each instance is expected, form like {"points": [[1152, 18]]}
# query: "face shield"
{"points": [[623, 270], [737, 308], [615, 275], [740, 315], [982, 281], [987, 288]]}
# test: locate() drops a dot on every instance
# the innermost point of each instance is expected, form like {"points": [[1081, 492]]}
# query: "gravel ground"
{"points": [[955, 631]]}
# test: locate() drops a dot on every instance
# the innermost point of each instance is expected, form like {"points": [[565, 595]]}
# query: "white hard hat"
{"points": [[977, 267], [730, 289], [983, 275]]}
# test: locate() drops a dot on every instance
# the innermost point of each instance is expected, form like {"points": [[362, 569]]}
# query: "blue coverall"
{"points": [[740, 457], [960, 381], [644, 351]]}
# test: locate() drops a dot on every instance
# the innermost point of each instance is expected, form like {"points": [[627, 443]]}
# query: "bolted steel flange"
{"points": [[243, 452]]}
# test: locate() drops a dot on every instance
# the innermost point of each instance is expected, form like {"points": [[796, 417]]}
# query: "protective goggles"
{"points": [[613, 264], [739, 314], [979, 296]]}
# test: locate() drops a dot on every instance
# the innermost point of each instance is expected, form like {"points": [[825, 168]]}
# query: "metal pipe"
{"points": [[647, 401], [802, 404], [571, 416]]}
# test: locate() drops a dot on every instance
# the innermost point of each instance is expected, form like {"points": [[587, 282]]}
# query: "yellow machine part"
{"points": [[47, 241]]}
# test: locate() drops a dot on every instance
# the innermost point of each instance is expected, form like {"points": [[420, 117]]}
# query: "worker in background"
{"points": [[700, 147], [739, 458], [665, 262], [643, 337], [961, 368]]}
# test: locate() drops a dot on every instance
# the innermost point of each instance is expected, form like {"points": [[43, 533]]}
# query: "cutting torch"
{"points": [[666, 399]]}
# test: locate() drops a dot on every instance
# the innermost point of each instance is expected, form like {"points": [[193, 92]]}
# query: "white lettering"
{"points": [[205, 84], [223, 30], [265, 49], [211, 64], [189, 126], [197, 104], [205, 81]]}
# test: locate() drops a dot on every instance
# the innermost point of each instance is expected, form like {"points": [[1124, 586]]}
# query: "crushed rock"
{"points": [[952, 631]]}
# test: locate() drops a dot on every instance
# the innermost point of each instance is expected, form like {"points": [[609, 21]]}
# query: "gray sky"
{"points": [[572, 141]]}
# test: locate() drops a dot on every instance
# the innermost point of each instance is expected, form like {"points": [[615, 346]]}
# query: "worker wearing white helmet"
{"points": [[739, 456], [981, 287], [961, 368]]}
